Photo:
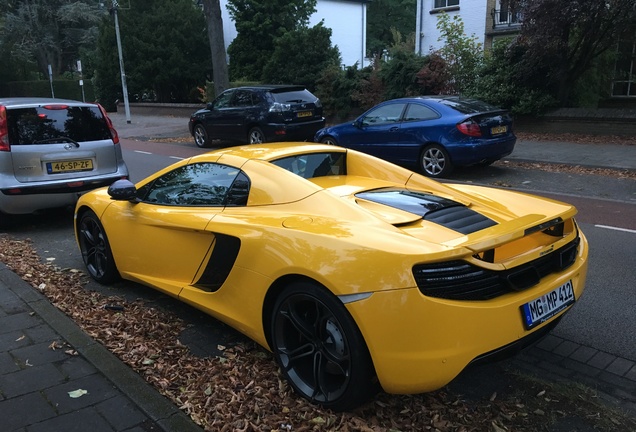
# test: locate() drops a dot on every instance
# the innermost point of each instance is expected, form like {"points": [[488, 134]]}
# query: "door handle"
{"points": [[394, 129]]}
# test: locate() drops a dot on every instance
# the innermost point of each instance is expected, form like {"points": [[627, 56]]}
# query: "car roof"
{"points": [[457, 103], [269, 152], [16, 102], [272, 87]]}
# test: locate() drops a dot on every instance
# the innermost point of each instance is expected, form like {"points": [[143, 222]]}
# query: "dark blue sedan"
{"points": [[432, 133]]}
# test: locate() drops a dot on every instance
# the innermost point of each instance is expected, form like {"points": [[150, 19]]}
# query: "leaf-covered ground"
{"points": [[243, 390]]}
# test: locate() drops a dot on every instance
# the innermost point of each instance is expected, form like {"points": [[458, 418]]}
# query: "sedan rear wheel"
{"points": [[201, 136], [435, 161], [256, 136], [319, 348], [96, 252]]}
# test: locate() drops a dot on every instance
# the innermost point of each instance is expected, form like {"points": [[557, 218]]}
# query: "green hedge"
{"points": [[64, 89]]}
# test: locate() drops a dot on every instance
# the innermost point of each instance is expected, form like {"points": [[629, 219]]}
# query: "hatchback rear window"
{"points": [[298, 96], [42, 125]]}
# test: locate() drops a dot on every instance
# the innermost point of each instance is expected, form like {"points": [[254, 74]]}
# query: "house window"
{"points": [[445, 3], [624, 84]]}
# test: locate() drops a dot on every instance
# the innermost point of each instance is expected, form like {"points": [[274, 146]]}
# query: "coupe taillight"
{"points": [[470, 128], [4, 130]]}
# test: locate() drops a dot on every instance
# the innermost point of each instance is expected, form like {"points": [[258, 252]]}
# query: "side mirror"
{"points": [[123, 190], [209, 106], [357, 123]]}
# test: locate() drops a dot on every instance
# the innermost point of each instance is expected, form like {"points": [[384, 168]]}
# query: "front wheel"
{"points": [[255, 136], [329, 140], [435, 162], [201, 138], [96, 252], [319, 348]]}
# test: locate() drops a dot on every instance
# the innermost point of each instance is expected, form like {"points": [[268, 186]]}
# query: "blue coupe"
{"points": [[432, 133]]}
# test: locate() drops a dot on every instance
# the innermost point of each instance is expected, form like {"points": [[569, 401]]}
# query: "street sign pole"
{"points": [[81, 80], [51, 81]]}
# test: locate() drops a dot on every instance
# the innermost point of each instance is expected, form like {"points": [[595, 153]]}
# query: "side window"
{"points": [[223, 101], [242, 98], [385, 114], [200, 184], [417, 112]]}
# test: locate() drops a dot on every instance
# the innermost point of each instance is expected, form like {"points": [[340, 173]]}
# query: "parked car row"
{"points": [[432, 134]]}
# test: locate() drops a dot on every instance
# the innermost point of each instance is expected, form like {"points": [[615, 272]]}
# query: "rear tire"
{"points": [[256, 136], [201, 138], [435, 161], [320, 349], [95, 248]]}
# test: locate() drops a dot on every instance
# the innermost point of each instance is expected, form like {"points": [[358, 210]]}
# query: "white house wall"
{"points": [[472, 12], [346, 19]]}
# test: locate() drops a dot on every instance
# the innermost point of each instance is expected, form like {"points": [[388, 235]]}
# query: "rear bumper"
{"points": [[293, 131], [469, 153], [420, 344], [21, 198]]}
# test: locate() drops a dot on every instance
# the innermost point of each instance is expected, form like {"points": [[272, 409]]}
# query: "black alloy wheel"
{"points": [[435, 161], [320, 349], [95, 249], [255, 136], [201, 136]]}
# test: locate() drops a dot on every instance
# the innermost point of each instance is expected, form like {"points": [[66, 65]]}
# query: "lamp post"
{"points": [[121, 62]]}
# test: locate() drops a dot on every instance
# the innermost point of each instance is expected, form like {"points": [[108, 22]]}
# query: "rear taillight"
{"points": [[109, 122], [470, 128], [280, 107], [4, 130]]}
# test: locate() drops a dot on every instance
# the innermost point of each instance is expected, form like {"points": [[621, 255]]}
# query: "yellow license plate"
{"points": [[304, 114], [499, 130], [69, 166]]}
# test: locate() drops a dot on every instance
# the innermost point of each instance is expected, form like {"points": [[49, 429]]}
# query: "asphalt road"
{"points": [[601, 319]]}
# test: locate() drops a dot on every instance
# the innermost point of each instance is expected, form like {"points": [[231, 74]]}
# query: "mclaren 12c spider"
{"points": [[352, 271]]}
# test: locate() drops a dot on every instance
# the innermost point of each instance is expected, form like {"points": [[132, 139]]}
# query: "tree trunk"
{"points": [[212, 10]]}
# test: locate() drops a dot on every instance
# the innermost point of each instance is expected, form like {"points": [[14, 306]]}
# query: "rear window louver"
{"points": [[459, 218]]}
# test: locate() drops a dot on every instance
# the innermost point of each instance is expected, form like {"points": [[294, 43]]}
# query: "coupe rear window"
{"points": [[41, 125], [469, 106], [314, 164]]}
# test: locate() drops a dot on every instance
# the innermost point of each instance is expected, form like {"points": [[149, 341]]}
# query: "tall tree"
{"points": [[563, 39], [49, 32], [258, 24], [300, 56], [212, 9], [384, 18], [165, 50]]}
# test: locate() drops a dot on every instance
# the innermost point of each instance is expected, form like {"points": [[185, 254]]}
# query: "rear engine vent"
{"points": [[459, 280], [460, 219]]}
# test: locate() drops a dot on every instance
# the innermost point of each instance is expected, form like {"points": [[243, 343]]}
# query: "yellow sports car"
{"points": [[350, 269]]}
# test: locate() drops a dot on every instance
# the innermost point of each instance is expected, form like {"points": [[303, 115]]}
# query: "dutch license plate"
{"points": [[499, 130], [545, 307], [69, 166], [304, 114]]}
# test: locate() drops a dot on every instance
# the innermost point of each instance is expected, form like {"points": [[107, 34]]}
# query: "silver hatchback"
{"points": [[52, 150]]}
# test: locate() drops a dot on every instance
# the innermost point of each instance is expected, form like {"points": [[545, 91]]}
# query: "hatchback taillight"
{"points": [[109, 122], [470, 128], [280, 107], [4, 130]]}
